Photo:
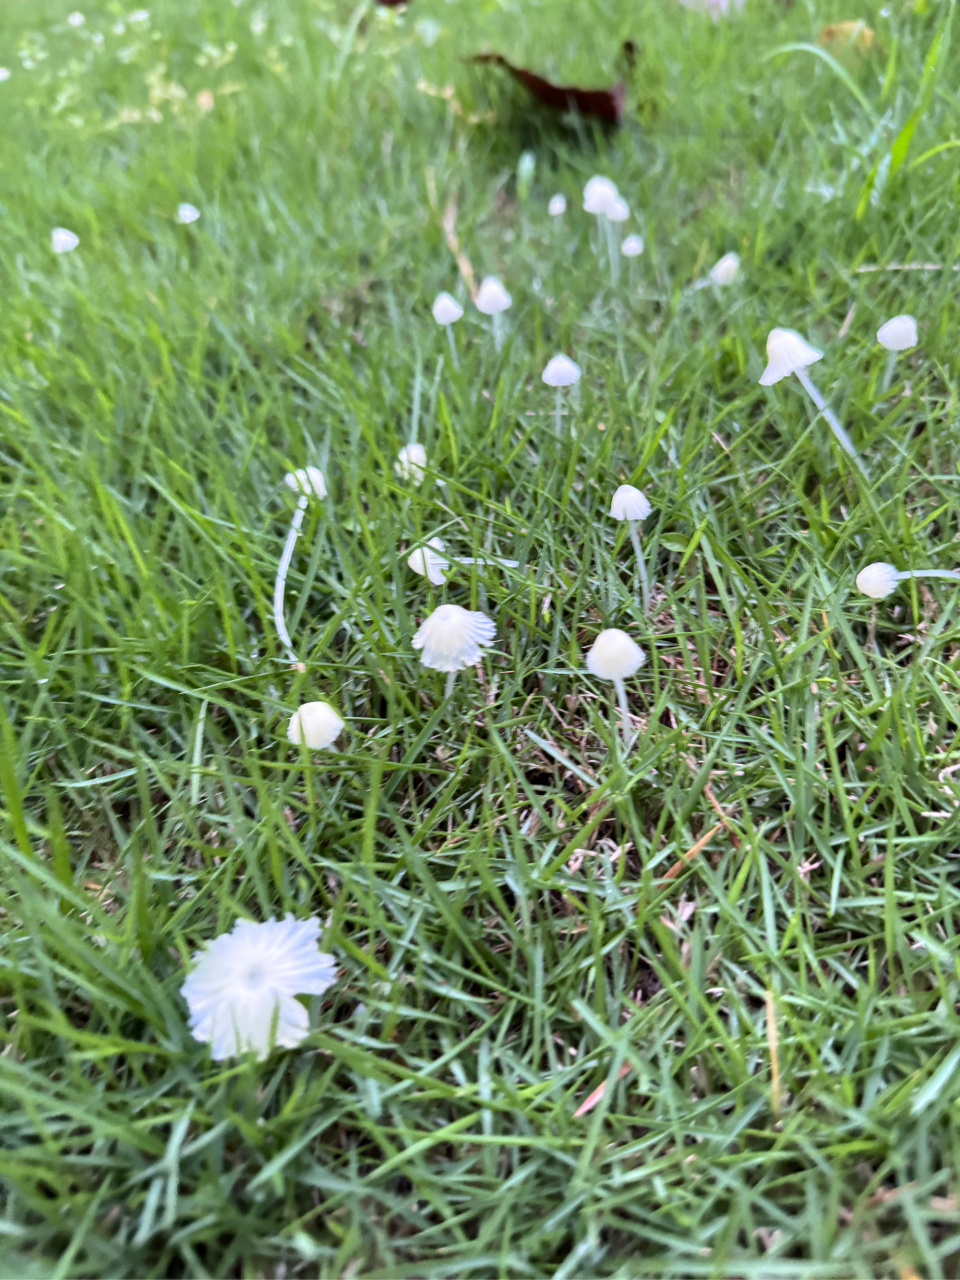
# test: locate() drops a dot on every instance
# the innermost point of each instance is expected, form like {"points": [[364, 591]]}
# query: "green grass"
{"points": [[154, 388]]}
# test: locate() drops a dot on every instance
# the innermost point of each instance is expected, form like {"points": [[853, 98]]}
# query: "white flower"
{"points": [[411, 463], [446, 309], [241, 991], [492, 297], [561, 371], [307, 481], [614, 655], [632, 247], [429, 563], [786, 353], [451, 637], [599, 194], [4, 74], [76, 19], [316, 724], [878, 580], [618, 210], [898, 334], [187, 213], [63, 241], [726, 270], [630, 504], [557, 205]]}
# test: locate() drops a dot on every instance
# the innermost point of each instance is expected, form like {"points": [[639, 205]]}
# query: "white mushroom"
{"points": [[429, 563], [63, 241], [601, 197], [599, 194], [880, 580], [411, 463], [618, 210], [187, 213], [631, 505], [898, 334], [316, 724], [557, 205], [309, 483], [726, 270], [447, 311], [451, 639], [560, 372], [632, 247], [492, 300], [614, 656], [788, 353]]}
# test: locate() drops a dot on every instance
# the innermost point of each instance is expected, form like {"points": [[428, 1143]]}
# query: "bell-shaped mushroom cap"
{"points": [[446, 309], [557, 205], [878, 580], [898, 334], [629, 504], [63, 241], [187, 213], [492, 297], [786, 353], [411, 463], [618, 210], [451, 637], [614, 656], [726, 270], [316, 724], [561, 371], [599, 194], [428, 563], [632, 247], [307, 480]]}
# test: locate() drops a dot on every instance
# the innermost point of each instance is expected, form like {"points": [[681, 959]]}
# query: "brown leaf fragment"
{"points": [[691, 853], [592, 1099], [602, 104]]}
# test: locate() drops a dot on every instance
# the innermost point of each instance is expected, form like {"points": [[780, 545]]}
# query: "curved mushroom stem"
{"points": [[451, 677], [613, 249], [498, 330], [888, 373], [281, 582], [641, 564], [453, 346], [506, 564], [559, 411], [832, 420], [953, 574], [621, 689]]}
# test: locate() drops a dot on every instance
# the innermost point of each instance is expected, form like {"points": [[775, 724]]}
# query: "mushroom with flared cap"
{"points": [[309, 483], [557, 205], [614, 656], [187, 213], [601, 198], [599, 194], [632, 247], [492, 300], [631, 505], [788, 353], [315, 724], [451, 639], [560, 372], [447, 311], [898, 334], [411, 463], [63, 241], [880, 580]]}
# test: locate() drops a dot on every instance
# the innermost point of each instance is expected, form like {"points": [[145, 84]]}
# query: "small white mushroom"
{"points": [[618, 210], [601, 197], [557, 205], [309, 483], [316, 724], [631, 505], [63, 241], [451, 639], [411, 463], [614, 656], [633, 246], [429, 562], [492, 300], [880, 580], [898, 334], [726, 270], [788, 353], [560, 372], [187, 213], [599, 194], [447, 311]]}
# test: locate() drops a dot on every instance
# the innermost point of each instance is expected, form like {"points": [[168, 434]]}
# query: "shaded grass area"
{"points": [[491, 872]]}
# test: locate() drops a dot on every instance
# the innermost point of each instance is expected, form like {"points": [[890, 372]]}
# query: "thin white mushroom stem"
{"points": [[621, 690], [903, 574], [451, 678], [613, 247], [282, 570], [559, 411], [453, 346], [498, 330], [641, 564], [831, 418], [888, 372], [506, 564]]}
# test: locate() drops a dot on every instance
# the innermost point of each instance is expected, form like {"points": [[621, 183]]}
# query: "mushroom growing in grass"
{"points": [[788, 353], [880, 580], [432, 562], [898, 334], [492, 300], [557, 206], [615, 656], [451, 639], [307, 482], [561, 372], [315, 724], [604, 201], [411, 463], [447, 311], [726, 270], [632, 247], [631, 505]]}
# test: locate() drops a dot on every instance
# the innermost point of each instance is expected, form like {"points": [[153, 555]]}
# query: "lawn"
{"points": [[687, 1009]]}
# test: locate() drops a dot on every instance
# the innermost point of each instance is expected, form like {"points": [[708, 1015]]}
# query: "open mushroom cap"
{"points": [[307, 480], [429, 563], [614, 655], [786, 353], [632, 247], [618, 210], [316, 724], [878, 580], [898, 334], [451, 637], [446, 309], [599, 194], [561, 371], [557, 205], [726, 270], [629, 504], [492, 297], [411, 462]]}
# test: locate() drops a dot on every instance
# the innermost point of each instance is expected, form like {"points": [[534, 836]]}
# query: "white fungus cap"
{"points": [[561, 371], [614, 655], [63, 241], [316, 724], [492, 297], [446, 309], [429, 563], [411, 463], [786, 353], [630, 504], [878, 580], [898, 334], [618, 210], [187, 213], [4, 74], [726, 270], [451, 638], [599, 194], [307, 480], [557, 205], [242, 989], [632, 247]]}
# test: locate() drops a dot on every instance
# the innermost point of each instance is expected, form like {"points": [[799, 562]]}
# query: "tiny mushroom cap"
{"points": [[428, 563], [308, 481], [411, 462], [878, 580], [561, 371], [786, 353], [632, 247], [451, 637], [446, 309], [630, 504], [599, 194], [614, 655], [898, 334], [618, 210], [557, 205], [187, 213], [316, 724], [492, 297], [726, 270], [63, 241]]}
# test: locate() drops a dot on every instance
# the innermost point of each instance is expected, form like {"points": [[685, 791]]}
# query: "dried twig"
{"points": [[691, 853]]}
